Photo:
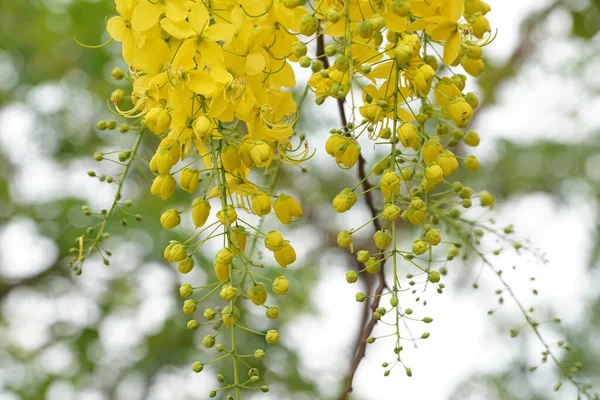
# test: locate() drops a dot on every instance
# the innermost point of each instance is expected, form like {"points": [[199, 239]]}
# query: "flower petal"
{"points": [[201, 82], [145, 15], [178, 29]]}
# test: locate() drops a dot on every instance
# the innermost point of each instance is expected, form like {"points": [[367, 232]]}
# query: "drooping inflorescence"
{"points": [[213, 80]]}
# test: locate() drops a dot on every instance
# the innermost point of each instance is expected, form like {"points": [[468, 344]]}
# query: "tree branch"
{"points": [[367, 324]]}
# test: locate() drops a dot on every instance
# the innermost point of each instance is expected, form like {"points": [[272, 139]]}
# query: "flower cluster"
{"points": [[411, 103], [213, 78]]}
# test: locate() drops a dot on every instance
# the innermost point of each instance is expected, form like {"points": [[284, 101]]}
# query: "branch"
{"points": [[367, 324]]}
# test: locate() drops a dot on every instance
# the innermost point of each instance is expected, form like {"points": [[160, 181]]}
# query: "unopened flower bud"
{"points": [[170, 219], [272, 312], [272, 336], [351, 276], [186, 290], [189, 306]]}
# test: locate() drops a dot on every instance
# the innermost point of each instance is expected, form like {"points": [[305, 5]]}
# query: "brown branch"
{"points": [[367, 324]]}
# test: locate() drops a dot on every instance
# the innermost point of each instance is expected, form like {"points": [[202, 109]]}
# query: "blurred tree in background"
{"points": [[116, 332]]}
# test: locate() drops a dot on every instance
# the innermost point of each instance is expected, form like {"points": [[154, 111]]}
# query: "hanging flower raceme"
{"points": [[213, 79]]}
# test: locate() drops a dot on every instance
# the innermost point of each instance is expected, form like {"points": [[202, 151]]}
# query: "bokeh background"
{"points": [[117, 332]]}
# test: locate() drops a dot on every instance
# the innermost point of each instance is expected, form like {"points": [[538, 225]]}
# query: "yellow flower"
{"points": [[163, 160], [433, 237], [431, 150], [391, 212], [147, 13], [238, 238], [200, 211], [445, 91], [471, 163], [230, 157], [473, 67], [479, 25], [287, 210], [262, 154], [423, 79], [372, 265], [344, 239], [221, 271], [351, 154], [419, 247], [230, 316], [163, 186], [434, 174], [257, 293], [390, 184], [229, 213], [170, 219], [274, 241], [344, 200], [185, 265], [228, 292], [261, 203], [407, 133], [120, 29], [336, 145], [281, 285], [158, 120], [286, 255], [224, 256], [272, 336], [382, 239], [448, 162], [202, 128], [177, 252], [189, 179], [189, 307], [460, 111]]}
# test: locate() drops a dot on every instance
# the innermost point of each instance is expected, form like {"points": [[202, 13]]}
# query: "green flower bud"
{"points": [[192, 324], [220, 377], [394, 301], [472, 138], [434, 276], [363, 256], [419, 247], [208, 341], [330, 50], [260, 354], [370, 340], [372, 265], [117, 74], [272, 336], [273, 312], [309, 25], [209, 314], [425, 335], [351, 276], [427, 320], [299, 49], [316, 66], [342, 62], [185, 265], [186, 290], [305, 61], [189, 306], [361, 297], [486, 198], [197, 366]]}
